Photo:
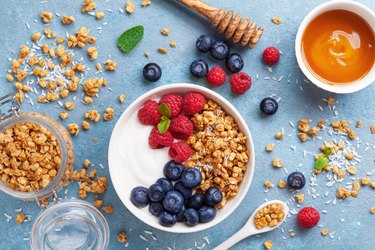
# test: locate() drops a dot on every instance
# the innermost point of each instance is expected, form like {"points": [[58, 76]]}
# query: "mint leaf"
{"points": [[321, 162], [164, 124], [327, 151], [164, 110], [130, 38]]}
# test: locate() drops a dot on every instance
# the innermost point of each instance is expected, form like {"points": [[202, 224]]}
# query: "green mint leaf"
{"points": [[321, 162], [130, 38], [164, 124], [164, 110], [327, 151]]}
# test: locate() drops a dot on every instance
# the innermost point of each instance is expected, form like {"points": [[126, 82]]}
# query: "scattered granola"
{"points": [[73, 128], [162, 50], [88, 184], [122, 98], [20, 218], [331, 100], [98, 203], [86, 163], [270, 147], [165, 31], [372, 129], [108, 209], [325, 232], [108, 115], [36, 36], [372, 210], [358, 124], [121, 237], [66, 20], [92, 53], [36, 148], [173, 44], [85, 125], [282, 184], [64, 115], [110, 65], [93, 115], [365, 181], [268, 244], [300, 198], [130, 7], [276, 20], [145, 3], [88, 6], [279, 135], [99, 15], [69, 105], [277, 163], [46, 16], [270, 215], [268, 184]]}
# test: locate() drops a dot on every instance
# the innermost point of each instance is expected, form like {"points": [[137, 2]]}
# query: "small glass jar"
{"points": [[63, 224]]}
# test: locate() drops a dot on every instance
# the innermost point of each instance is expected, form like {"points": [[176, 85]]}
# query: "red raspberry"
{"points": [[271, 55], [308, 217], [193, 103], [240, 82], [181, 127], [158, 140], [216, 76], [149, 113], [180, 151], [174, 103]]}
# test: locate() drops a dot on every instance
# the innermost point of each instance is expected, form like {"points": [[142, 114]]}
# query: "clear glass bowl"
{"points": [[70, 224], [67, 155]]}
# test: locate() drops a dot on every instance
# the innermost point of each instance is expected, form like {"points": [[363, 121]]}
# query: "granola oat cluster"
{"points": [[30, 157], [219, 151], [270, 215]]}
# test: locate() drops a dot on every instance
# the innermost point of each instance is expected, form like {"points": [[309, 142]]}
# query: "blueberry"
{"points": [[173, 202], [155, 208], [167, 185], [204, 43], [219, 50], [173, 170], [206, 214], [156, 192], [296, 180], [152, 72], [186, 192], [180, 215], [269, 106], [191, 217], [199, 68], [196, 201], [139, 196], [213, 196], [166, 219], [234, 63], [191, 177]]}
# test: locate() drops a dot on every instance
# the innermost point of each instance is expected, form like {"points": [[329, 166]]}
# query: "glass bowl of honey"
{"points": [[335, 46]]}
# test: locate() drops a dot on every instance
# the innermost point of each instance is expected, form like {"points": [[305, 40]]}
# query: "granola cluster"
{"points": [[270, 215], [219, 151], [30, 157]]}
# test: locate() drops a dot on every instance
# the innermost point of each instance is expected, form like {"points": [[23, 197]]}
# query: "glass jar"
{"points": [[63, 224]]}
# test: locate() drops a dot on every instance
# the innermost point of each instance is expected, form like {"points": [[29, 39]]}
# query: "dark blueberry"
{"points": [[213, 196], [296, 180], [155, 208], [234, 63], [206, 214], [152, 72], [220, 50], [269, 106], [167, 185], [139, 196], [191, 177], [186, 192], [173, 170], [173, 202], [166, 219], [180, 215], [191, 217], [196, 201], [156, 192], [199, 68], [204, 43]]}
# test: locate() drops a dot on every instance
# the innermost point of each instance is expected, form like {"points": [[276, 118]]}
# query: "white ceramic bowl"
{"points": [[361, 10], [133, 163]]}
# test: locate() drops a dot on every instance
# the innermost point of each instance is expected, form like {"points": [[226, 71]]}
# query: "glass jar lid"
{"points": [[70, 224]]}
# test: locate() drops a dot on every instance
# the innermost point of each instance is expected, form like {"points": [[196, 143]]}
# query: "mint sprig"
{"points": [[164, 124], [164, 110], [130, 38], [322, 161]]}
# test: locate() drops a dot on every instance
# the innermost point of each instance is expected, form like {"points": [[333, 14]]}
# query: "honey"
{"points": [[338, 47]]}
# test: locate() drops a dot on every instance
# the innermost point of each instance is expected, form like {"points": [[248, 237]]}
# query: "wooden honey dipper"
{"points": [[236, 28]]}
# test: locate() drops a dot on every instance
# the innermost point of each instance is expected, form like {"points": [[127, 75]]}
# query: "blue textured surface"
{"points": [[354, 233]]}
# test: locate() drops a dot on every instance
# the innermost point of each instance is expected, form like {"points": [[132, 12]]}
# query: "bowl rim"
{"points": [[179, 87], [352, 6]]}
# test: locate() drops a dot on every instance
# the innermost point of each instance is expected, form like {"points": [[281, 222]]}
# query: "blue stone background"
{"points": [[299, 99]]}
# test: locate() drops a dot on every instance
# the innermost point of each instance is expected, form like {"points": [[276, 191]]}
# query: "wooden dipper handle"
{"points": [[235, 28]]}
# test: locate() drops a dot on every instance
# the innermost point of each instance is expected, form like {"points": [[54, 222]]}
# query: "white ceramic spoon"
{"points": [[249, 228]]}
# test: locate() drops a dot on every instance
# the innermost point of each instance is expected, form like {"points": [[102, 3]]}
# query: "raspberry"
{"points": [[149, 113], [240, 83], [174, 103], [180, 151], [181, 127], [193, 103], [216, 76], [158, 140], [308, 217], [271, 55]]}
